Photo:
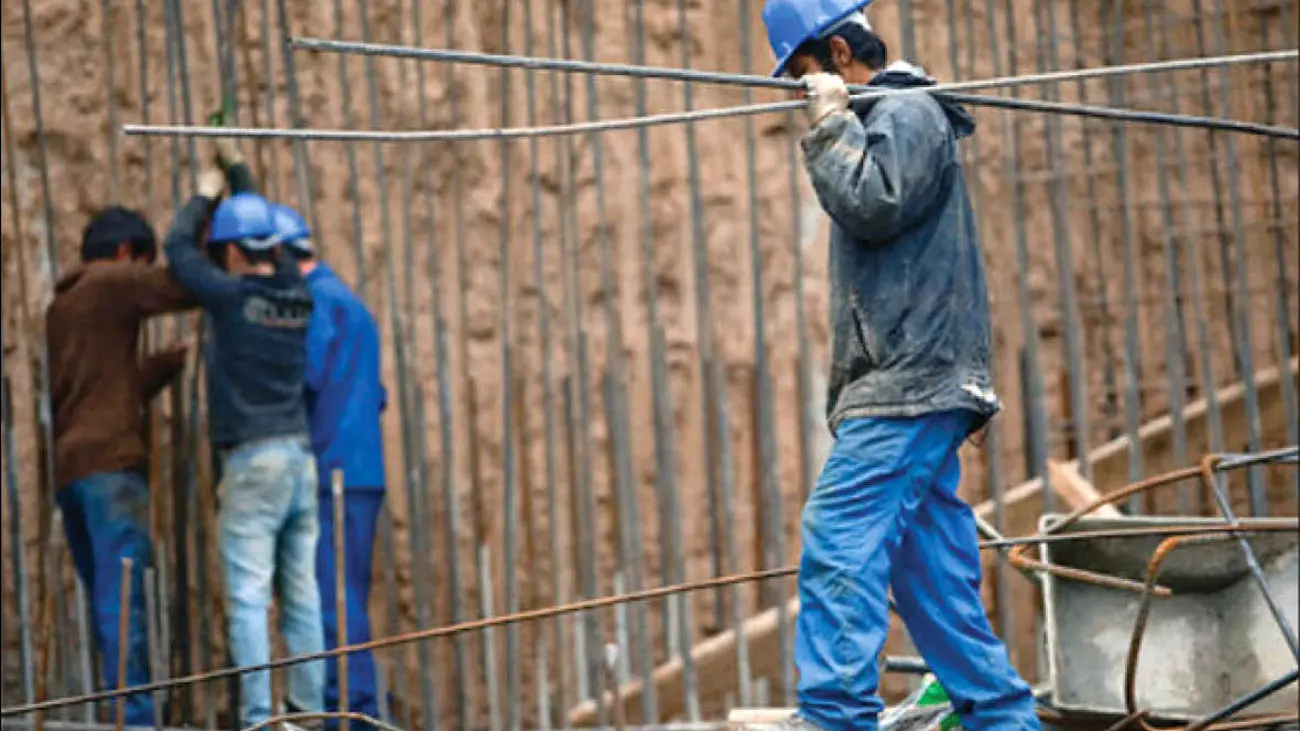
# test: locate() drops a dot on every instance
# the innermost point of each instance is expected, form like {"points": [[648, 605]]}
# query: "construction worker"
{"points": [[99, 387], [259, 309], [909, 383], [344, 401]]}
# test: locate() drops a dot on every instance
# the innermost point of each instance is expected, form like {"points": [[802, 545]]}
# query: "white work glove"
{"points": [[827, 94], [228, 152], [212, 183]]}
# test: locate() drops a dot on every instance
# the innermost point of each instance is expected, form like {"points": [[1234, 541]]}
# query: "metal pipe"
{"points": [[340, 591], [492, 684]]}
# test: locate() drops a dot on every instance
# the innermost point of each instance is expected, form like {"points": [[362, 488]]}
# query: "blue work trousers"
{"points": [[360, 517], [885, 515], [106, 518], [268, 530]]}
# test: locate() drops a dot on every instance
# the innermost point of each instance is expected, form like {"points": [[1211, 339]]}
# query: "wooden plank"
{"points": [[1078, 492], [757, 719]]}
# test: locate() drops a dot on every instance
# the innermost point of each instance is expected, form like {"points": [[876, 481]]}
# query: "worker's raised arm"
{"points": [[239, 177], [210, 285], [878, 177]]}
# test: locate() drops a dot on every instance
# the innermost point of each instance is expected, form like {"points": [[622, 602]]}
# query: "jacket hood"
{"points": [[69, 278], [904, 75]]}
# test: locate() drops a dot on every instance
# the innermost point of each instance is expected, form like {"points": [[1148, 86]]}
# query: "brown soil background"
{"points": [[73, 53]]}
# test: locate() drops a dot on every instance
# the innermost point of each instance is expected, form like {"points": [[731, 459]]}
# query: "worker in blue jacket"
{"points": [[344, 402], [909, 382]]}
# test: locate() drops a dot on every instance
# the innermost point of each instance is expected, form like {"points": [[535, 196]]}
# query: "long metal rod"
{"points": [[509, 479], [350, 153], [466, 135], [1174, 347], [302, 171], [1259, 525], [1244, 342], [548, 398], [419, 513], [773, 528], [713, 77], [1058, 194], [110, 94], [1132, 366]]}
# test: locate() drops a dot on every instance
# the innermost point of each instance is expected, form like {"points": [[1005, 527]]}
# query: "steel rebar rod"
{"points": [[305, 189], [467, 135], [714, 77], [1256, 525], [353, 178]]}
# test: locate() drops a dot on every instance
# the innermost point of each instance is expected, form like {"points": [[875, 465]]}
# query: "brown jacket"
{"points": [[98, 383]]}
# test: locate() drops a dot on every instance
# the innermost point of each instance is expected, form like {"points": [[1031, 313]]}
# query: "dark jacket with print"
{"points": [[909, 302]]}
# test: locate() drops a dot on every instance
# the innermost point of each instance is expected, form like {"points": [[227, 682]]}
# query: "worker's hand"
{"points": [[228, 154], [827, 94], [212, 183]]}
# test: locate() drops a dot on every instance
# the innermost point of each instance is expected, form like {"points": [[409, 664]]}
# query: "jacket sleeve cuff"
{"points": [[823, 135]]}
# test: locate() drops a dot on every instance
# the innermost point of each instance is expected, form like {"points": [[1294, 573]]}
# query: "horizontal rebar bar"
{"points": [[1253, 526], [717, 77], [860, 93]]}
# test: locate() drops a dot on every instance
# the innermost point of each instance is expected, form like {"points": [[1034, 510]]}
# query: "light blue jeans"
{"points": [[268, 536]]}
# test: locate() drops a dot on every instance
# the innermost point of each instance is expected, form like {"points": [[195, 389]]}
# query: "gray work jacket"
{"points": [[909, 302]]}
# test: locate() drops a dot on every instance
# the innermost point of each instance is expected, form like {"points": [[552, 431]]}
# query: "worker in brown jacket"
{"points": [[99, 387]]}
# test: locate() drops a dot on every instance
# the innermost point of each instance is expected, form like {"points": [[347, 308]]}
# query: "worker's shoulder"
{"points": [[99, 284], [912, 105]]}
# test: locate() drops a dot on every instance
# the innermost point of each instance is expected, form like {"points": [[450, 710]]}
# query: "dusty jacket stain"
{"points": [[909, 302]]}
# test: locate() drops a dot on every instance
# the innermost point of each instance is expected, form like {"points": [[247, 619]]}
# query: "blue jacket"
{"points": [[909, 302], [344, 393]]}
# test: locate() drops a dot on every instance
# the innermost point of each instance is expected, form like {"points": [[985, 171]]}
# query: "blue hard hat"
{"points": [[244, 219], [291, 229], [792, 23]]}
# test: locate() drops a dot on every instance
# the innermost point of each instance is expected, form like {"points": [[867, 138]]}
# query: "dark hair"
{"points": [[114, 226], [865, 45]]}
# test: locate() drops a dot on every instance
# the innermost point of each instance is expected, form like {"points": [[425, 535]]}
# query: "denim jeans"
{"points": [[106, 518], [268, 530], [885, 515]]}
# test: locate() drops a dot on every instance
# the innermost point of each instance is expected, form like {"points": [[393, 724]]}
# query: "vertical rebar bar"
{"points": [[110, 89], [153, 640], [417, 488], [727, 485], [389, 558], [1174, 349], [665, 447], [773, 533], [1205, 345], [42, 149], [12, 475], [1115, 50], [1035, 410], [548, 395], [123, 640], [591, 680], [624, 489], [510, 592], [350, 153], [493, 684], [272, 175], [1109, 384], [703, 320], [306, 195], [1243, 343], [340, 591], [1284, 311], [1048, 58]]}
